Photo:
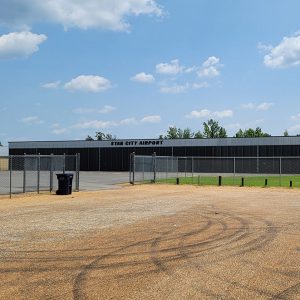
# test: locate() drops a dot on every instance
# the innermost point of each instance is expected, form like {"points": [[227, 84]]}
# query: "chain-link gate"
{"points": [[35, 173]]}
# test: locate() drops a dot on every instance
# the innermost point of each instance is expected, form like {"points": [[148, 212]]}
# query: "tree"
{"points": [[198, 135], [172, 133], [286, 133], [213, 130], [251, 133], [100, 136], [89, 138]]}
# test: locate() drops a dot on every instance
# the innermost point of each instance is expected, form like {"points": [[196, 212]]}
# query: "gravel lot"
{"points": [[152, 242]]}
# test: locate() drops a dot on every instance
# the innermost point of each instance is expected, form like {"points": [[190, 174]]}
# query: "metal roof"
{"points": [[282, 140]]}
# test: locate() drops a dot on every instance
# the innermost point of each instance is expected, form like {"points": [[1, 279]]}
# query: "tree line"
{"points": [[211, 130]]}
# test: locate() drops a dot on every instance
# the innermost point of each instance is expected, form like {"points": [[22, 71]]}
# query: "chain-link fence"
{"points": [[279, 171], [36, 173]]}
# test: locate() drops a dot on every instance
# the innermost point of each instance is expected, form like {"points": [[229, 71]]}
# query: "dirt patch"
{"points": [[154, 242]]}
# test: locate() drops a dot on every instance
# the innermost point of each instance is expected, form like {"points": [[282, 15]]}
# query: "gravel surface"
{"points": [[152, 242]]}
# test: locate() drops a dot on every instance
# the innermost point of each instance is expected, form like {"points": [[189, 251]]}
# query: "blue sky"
{"points": [[133, 68]]}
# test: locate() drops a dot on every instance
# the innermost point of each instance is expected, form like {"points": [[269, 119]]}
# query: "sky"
{"points": [[132, 68]]}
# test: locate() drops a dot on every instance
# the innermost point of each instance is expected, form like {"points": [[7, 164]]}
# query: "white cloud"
{"points": [[84, 110], [295, 117], [128, 121], [264, 106], [264, 48], [99, 124], [294, 129], [51, 85], [94, 124], [88, 83], [104, 14], [210, 68], [284, 55], [171, 68], [33, 120], [223, 114], [259, 107], [143, 78], [205, 113], [20, 44], [151, 119], [107, 109], [59, 131], [175, 89], [248, 106], [200, 85]]}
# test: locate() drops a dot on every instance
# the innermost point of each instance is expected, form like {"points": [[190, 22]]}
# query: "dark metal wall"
{"points": [[117, 159]]}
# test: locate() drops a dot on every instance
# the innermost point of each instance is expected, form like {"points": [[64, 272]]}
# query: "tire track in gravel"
{"points": [[252, 245], [289, 292]]}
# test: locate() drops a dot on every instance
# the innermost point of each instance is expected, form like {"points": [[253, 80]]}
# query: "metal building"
{"points": [[115, 155]]}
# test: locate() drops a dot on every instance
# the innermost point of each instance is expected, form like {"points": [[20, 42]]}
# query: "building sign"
{"points": [[137, 143]]}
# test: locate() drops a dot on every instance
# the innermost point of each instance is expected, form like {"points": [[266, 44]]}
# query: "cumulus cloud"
{"points": [[32, 120], [205, 113], [20, 44], [94, 124], [100, 124], [104, 14], [151, 119], [59, 131], [294, 129], [174, 89], [88, 83], [210, 68], [295, 117], [143, 78], [285, 54], [171, 68], [259, 107], [105, 110], [128, 121], [51, 85]]}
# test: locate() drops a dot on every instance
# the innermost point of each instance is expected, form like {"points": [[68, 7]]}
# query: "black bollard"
{"points": [[242, 184], [291, 183], [266, 182], [177, 180], [220, 180]]}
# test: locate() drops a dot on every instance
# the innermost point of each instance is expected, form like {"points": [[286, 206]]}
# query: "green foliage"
{"points": [[100, 136], [89, 138], [251, 133], [286, 133], [212, 130], [172, 133], [198, 135]]}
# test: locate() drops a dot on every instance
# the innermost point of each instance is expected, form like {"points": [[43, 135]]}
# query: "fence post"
{"points": [[51, 172], [132, 168], [77, 171], [192, 170], [38, 172], [24, 174], [154, 166], [280, 170], [64, 163], [234, 170], [10, 175]]}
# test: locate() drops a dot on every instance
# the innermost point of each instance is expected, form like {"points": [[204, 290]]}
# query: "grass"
{"points": [[272, 181]]}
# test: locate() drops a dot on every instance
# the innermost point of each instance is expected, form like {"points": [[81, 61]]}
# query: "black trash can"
{"points": [[64, 184]]}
